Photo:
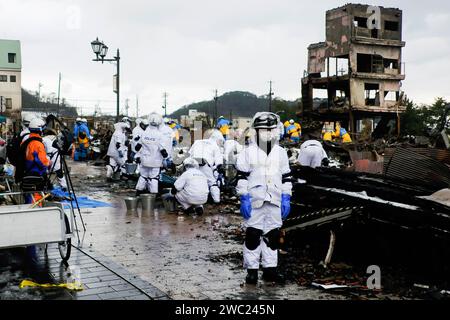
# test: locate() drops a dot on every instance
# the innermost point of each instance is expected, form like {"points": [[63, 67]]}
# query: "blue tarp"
{"points": [[83, 202]]}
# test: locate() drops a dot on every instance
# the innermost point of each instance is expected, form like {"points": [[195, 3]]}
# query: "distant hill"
{"points": [[239, 104], [31, 103]]}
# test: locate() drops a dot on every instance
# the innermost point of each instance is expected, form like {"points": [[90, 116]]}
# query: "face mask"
{"points": [[266, 135]]}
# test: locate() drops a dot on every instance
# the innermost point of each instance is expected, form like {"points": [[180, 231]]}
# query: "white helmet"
{"points": [[155, 119], [190, 163], [36, 125], [126, 119], [138, 121], [291, 121], [265, 120], [79, 120], [144, 122], [166, 120], [27, 119], [84, 120]]}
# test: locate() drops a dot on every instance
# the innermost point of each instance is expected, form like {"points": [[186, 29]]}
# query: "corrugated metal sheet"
{"points": [[407, 164], [441, 155]]}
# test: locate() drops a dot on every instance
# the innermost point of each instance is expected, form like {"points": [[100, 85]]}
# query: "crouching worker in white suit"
{"points": [[191, 188], [210, 159], [312, 154], [264, 186]]}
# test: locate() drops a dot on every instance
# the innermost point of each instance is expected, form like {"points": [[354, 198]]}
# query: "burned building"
{"points": [[358, 68]]}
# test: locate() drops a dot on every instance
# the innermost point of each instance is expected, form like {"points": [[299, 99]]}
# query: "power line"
{"points": [[216, 101]]}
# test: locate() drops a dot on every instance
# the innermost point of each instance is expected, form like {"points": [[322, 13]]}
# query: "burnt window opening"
{"points": [[391, 96], [391, 63], [338, 66], [360, 22], [370, 63], [374, 33], [339, 99], [372, 91], [391, 25]]}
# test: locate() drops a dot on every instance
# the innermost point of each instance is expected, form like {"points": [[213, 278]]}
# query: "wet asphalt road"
{"points": [[145, 255]]}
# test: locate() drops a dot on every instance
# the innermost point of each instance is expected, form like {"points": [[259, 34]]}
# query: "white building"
{"points": [[242, 123], [10, 77], [193, 115]]}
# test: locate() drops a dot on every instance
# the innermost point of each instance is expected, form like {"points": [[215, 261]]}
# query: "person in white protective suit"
{"points": [[138, 131], [280, 127], [232, 148], [191, 188], [49, 141], [150, 155], [312, 154], [117, 150], [265, 187], [25, 124], [208, 155], [168, 136]]}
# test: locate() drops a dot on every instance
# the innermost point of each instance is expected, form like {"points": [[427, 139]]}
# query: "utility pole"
{"points": [[165, 104], [127, 106], [216, 101], [137, 106], [117, 59], [40, 85], [59, 91], [270, 96]]}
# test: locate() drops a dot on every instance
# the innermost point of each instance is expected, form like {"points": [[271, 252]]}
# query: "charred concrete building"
{"points": [[358, 68]]}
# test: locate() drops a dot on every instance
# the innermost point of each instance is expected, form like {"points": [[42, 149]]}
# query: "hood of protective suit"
{"points": [[120, 126], [217, 137]]}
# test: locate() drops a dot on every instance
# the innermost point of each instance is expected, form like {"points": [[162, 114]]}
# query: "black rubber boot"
{"points": [[272, 275], [189, 211], [252, 276], [199, 211]]}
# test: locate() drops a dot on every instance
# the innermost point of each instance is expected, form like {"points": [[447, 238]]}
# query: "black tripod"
{"points": [[70, 189]]}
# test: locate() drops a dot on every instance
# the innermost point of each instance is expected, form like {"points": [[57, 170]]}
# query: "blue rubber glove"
{"points": [[246, 206], [285, 205]]}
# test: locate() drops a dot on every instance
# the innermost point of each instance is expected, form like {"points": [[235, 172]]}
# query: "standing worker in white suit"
{"points": [[117, 150], [265, 188], [150, 155]]}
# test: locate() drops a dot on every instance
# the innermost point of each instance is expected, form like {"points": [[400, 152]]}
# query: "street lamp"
{"points": [[101, 50]]}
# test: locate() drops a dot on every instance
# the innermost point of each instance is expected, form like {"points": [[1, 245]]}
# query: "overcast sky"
{"points": [[191, 47]]}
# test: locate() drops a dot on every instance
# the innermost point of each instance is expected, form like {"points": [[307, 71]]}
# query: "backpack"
{"points": [[21, 154], [13, 149]]}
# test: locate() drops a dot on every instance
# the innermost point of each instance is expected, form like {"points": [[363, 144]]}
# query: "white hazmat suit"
{"points": [[151, 159], [117, 150], [264, 178], [312, 154], [192, 188], [53, 155], [208, 155]]}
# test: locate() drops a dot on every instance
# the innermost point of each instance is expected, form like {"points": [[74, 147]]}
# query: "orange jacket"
{"points": [[36, 160]]}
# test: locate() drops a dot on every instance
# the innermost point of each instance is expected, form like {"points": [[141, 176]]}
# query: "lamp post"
{"points": [[100, 50]]}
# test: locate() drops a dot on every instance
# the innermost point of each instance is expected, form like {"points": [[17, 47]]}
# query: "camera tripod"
{"points": [[70, 189]]}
